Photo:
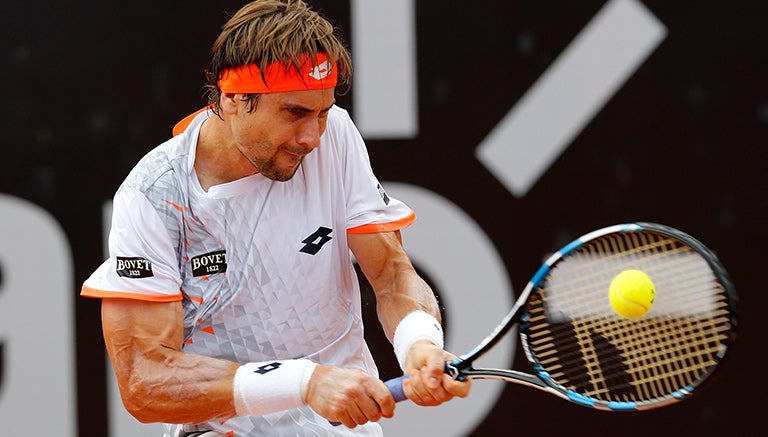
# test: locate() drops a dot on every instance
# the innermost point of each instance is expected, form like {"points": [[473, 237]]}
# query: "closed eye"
{"points": [[299, 112]]}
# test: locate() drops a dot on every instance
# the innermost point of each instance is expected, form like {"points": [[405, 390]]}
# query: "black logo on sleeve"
{"points": [[209, 263], [383, 194], [134, 267], [314, 242]]}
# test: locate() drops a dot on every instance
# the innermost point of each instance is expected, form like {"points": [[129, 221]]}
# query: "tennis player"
{"points": [[230, 305]]}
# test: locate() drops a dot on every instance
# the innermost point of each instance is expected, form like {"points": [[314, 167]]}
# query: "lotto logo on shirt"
{"points": [[209, 263], [133, 267]]}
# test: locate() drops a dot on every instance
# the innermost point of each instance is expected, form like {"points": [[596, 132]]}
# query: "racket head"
{"points": [[582, 349]]}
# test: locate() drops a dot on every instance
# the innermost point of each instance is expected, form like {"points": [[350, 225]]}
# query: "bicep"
{"points": [[158, 381], [136, 331], [379, 256], [399, 289]]}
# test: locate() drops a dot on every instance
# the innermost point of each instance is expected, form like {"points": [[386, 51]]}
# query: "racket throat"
{"points": [[452, 370]]}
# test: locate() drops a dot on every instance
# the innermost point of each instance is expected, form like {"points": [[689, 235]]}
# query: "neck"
{"points": [[217, 159]]}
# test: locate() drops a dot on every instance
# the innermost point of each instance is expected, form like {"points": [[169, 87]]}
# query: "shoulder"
{"points": [[158, 182], [171, 161], [339, 120], [159, 168], [339, 113], [340, 128]]}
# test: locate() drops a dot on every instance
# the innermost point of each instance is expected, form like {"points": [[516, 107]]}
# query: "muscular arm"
{"points": [[399, 289], [158, 382]]}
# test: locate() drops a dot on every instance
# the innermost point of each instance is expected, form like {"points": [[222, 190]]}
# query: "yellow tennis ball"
{"points": [[631, 293]]}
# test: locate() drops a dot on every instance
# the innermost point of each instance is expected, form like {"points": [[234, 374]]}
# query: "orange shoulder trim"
{"points": [[182, 125], [101, 294], [384, 227]]}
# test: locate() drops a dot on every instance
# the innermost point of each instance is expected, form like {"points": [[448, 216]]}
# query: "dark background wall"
{"points": [[90, 87]]}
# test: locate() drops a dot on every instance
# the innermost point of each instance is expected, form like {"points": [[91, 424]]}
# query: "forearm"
{"points": [[173, 386], [161, 383], [399, 289], [158, 381], [409, 293]]}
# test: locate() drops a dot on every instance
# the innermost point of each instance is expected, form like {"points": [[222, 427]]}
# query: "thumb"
{"points": [[435, 369]]}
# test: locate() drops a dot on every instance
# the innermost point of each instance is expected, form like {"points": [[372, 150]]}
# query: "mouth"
{"points": [[297, 153], [293, 159]]}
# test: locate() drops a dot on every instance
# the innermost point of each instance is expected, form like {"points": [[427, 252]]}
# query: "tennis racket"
{"points": [[583, 351]]}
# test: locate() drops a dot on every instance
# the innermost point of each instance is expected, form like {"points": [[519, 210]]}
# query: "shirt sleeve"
{"points": [[369, 208], [142, 262]]}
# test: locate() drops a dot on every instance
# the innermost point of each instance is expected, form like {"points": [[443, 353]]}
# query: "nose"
{"points": [[310, 132]]}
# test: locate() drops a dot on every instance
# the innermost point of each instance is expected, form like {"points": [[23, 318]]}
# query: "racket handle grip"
{"points": [[395, 386]]}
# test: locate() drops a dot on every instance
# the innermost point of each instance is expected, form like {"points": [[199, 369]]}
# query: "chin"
{"points": [[281, 175]]}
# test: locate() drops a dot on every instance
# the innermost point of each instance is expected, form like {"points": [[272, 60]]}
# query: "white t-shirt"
{"points": [[262, 268]]}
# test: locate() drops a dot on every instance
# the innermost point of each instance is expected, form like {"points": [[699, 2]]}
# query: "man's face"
{"points": [[282, 129]]}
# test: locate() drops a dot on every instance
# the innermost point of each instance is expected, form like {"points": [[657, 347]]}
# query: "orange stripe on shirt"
{"points": [[384, 227], [177, 207], [102, 294], [182, 125]]}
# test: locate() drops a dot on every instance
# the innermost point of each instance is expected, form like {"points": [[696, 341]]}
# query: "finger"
{"points": [[372, 399], [433, 381], [456, 387], [344, 418], [383, 398], [434, 371], [358, 416], [369, 408], [409, 387], [418, 391]]}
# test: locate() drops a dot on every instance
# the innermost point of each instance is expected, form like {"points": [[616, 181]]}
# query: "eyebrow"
{"points": [[304, 108], [329, 107]]}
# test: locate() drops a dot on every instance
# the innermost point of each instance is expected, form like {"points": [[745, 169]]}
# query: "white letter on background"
{"points": [[384, 88], [603, 56], [121, 423], [37, 395], [463, 264]]}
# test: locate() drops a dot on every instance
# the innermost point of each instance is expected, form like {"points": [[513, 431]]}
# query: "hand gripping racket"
{"points": [[583, 351]]}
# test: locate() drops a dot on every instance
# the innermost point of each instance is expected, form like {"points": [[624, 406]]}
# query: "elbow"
{"points": [[143, 418], [141, 414], [138, 401]]}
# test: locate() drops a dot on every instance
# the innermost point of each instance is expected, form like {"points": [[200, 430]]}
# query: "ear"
{"points": [[229, 103]]}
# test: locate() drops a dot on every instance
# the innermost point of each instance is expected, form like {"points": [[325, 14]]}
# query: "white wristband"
{"points": [[263, 388], [418, 325]]}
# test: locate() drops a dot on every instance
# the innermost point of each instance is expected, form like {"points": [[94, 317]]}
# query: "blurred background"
{"points": [[510, 127]]}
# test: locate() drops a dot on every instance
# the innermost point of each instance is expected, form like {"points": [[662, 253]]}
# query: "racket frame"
{"points": [[462, 367]]}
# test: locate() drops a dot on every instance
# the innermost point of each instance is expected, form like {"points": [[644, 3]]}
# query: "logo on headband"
{"points": [[321, 71], [280, 77]]}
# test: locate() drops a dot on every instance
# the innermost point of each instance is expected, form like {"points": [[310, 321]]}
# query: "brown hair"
{"points": [[267, 31]]}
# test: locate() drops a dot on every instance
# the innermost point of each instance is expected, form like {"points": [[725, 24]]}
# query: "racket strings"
{"points": [[583, 345], [581, 353], [599, 258], [651, 365]]}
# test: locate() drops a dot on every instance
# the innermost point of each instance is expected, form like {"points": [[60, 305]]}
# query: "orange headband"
{"points": [[247, 79]]}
